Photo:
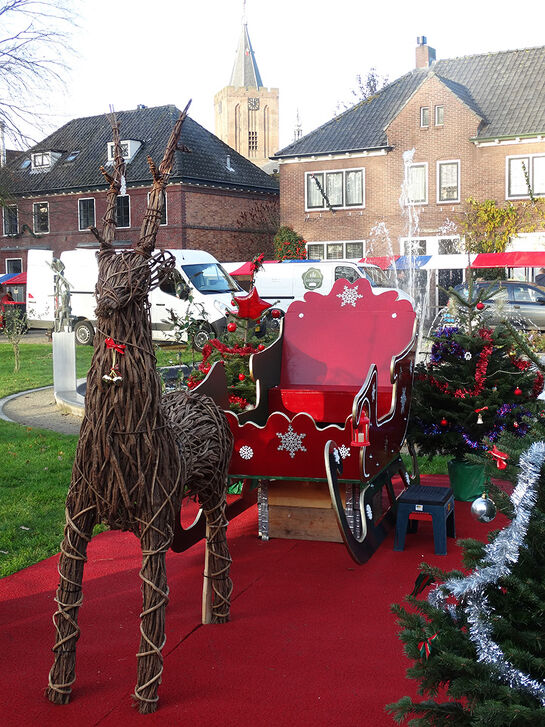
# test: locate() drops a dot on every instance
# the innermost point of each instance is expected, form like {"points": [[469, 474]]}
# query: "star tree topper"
{"points": [[250, 306]]}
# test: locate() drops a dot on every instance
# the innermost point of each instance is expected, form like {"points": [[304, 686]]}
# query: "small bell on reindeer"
{"points": [[114, 377]]}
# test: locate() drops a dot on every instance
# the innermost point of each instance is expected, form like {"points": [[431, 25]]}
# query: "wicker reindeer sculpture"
{"points": [[138, 453]]}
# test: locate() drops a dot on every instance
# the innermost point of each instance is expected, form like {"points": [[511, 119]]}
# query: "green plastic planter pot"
{"points": [[468, 480]]}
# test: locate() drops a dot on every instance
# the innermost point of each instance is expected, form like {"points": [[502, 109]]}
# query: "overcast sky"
{"points": [[168, 51]]}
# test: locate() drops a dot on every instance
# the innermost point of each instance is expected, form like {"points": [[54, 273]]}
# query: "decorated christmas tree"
{"points": [[248, 332], [475, 384], [477, 641]]}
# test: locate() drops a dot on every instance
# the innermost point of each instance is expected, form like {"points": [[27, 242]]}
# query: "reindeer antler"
{"points": [[152, 218], [109, 224]]}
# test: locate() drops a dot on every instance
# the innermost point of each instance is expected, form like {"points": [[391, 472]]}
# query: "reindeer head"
{"points": [[127, 277]]}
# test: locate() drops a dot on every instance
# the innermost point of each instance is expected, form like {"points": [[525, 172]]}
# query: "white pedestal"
{"points": [[64, 362]]}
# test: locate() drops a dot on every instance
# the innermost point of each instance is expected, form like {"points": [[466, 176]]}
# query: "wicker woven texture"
{"points": [[136, 455]]}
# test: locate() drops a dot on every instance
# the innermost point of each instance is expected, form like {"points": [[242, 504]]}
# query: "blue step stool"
{"points": [[435, 501]]}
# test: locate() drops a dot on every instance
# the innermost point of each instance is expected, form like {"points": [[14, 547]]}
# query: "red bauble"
{"points": [[517, 391], [444, 422], [261, 347], [480, 306], [275, 313], [516, 425], [231, 327], [241, 377]]}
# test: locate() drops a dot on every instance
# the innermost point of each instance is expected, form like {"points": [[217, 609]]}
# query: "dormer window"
{"points": [[129, 148], [43, 160], [40, 160]]}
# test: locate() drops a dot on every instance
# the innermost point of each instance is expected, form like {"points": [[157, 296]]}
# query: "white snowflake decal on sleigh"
{"points": [[344, 451], [291, 442], [349, 296], [246, 452]]}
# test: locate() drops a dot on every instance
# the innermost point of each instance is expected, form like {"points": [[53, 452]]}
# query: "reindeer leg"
{"points": [[218, 586], [77, 534], [152, 619]]}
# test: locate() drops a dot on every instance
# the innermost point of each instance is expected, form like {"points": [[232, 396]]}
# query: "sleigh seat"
{"points": [[343, 363]]}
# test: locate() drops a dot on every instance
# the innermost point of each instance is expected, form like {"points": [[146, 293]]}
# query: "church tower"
{"points": [[245, 112]]}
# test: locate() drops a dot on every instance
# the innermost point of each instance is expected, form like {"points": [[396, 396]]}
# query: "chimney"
{"points": [[425, 55]]}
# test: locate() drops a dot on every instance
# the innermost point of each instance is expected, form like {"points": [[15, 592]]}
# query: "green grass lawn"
{"points": [[34, 478], [37, 464]]}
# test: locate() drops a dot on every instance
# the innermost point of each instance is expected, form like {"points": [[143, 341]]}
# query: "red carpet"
{"points": [[311, 641]]}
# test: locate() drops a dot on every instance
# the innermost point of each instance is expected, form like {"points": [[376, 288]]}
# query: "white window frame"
{"points": [[419, 164], [435, 114], [163, 224], [83, 199], [344, 243], [405, 244], [124, 227], [41, 232], [41, 160], [529, 159], [129, 147], [10, 206], [423, 109], [11, 259], [440, 163], [344, 206]]}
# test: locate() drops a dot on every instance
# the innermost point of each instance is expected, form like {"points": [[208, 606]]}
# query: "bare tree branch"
{"points": [[34, 47]]}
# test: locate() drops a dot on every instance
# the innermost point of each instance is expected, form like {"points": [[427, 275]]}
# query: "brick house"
{"points": [[472, 123], [55, 190]]}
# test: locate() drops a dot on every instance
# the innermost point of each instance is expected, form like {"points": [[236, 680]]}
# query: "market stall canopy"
{"points": [[433, 262], [13, 279], [383, 262], [509, 260], [238, 269]]}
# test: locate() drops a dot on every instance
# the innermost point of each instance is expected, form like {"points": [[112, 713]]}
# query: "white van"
{"points": [[283, 282], [197, 273]]}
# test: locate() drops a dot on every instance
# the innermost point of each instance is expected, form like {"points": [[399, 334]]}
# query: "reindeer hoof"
{"points": [[56, 696]]}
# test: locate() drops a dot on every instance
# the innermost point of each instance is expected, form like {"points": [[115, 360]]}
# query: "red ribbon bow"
{"points": [[110, 343], [500, 457], [425, 646]]}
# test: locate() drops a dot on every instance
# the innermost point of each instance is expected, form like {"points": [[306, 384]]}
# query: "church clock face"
{"points": [[253, 104]]}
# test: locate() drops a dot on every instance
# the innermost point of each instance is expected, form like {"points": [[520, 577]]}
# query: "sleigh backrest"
{"points": [[331, 340]]}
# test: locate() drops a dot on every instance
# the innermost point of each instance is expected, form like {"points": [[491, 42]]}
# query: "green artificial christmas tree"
{"points": [[477, 641], [249, 331], [474, 385]]}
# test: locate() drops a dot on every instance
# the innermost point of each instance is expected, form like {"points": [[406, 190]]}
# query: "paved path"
{"points": [[38, 409]]}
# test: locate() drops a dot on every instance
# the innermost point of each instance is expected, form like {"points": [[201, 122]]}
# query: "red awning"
{"points": [[245, 268], [15, 279], [509, 260], [383, 262]]}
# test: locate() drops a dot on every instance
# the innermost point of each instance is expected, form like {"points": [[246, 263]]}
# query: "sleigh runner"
{"points": [[333, 398]]}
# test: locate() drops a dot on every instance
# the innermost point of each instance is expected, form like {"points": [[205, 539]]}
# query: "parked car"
{"points": [[522, 303]]}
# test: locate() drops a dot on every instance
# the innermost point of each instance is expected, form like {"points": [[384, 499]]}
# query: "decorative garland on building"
{"points": [[499, 556]]}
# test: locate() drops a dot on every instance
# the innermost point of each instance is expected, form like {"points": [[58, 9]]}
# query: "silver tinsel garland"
{"points": [[500, 555]]}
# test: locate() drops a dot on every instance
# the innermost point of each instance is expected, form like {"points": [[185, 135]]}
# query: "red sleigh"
{"points": [[333, 397]]}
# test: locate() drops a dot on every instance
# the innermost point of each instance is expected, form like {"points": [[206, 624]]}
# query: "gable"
{"points": [[506, 90], [426, 90]]}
